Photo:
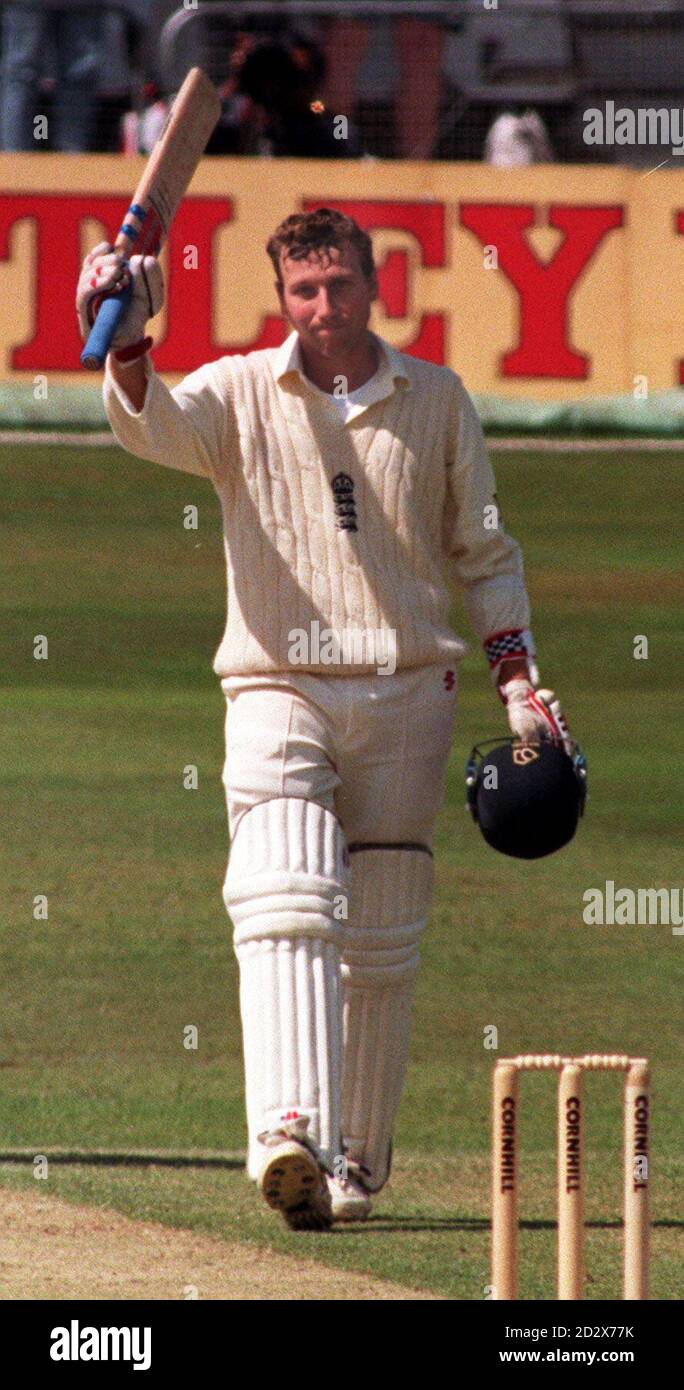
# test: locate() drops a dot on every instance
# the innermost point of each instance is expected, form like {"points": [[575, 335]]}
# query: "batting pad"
{"points": [[286, 880], [388, 907]]}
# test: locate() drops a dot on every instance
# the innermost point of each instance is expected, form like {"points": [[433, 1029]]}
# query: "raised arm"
{"points": [[132, 380], [192, 427]]}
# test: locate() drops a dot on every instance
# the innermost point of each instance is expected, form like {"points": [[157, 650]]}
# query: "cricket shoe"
{"points": [[349, 1198], [291, 1179]]}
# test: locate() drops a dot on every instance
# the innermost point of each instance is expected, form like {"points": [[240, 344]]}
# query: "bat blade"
{"points": [[164, 182]]}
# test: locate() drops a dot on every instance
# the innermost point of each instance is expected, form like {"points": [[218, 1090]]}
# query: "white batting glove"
{"points": [[104, 272], [533, 714]]}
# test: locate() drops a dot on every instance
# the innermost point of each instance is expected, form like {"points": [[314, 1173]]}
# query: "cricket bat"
{"points": [[168, 172]]}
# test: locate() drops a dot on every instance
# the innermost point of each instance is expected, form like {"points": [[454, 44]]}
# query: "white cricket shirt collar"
{"points": [[288, 359]]}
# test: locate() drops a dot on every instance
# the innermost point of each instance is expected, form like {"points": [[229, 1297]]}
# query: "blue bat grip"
{"points": [[104, 328]]}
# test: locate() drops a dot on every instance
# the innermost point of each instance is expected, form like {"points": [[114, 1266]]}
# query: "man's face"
{"points": [[327, 299]]}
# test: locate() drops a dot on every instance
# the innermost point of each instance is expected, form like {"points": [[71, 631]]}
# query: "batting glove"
{"points": [[533, 714], [105, 272]]}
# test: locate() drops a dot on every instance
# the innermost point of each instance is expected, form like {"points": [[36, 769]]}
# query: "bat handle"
{"points": [[103, 330]]}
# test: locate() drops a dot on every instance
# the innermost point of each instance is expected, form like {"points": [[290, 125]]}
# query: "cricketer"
{"points": [[355, 488]]}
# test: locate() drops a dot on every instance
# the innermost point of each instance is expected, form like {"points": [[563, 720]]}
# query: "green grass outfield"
{"points": [[137, 944]]}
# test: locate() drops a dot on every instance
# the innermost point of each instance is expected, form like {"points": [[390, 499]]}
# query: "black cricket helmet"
{"points": [[527, 798]]}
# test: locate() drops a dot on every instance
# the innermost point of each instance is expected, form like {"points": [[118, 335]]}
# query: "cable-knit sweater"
{"points": [[350, 524]]}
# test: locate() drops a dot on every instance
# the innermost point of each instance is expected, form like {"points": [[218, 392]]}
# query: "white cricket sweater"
{"points": [[353, 525]]}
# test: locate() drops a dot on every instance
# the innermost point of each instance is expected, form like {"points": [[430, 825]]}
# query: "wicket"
{"points": [[571, 1184]]}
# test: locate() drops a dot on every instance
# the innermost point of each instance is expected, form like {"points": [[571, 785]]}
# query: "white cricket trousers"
{"points": [[327, 775]]}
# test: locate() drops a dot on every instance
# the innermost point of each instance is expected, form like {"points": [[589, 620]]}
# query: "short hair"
{"points": [[304, 232]]}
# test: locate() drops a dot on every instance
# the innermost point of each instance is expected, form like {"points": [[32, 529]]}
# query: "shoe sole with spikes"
{"points": [[292, 1183]]}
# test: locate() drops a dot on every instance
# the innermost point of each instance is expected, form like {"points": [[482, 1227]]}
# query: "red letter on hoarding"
{"points": [[190, 339], [55, 343], [545, 289]]}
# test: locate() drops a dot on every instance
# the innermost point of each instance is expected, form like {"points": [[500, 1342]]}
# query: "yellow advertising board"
{"points": [[545, 283]]}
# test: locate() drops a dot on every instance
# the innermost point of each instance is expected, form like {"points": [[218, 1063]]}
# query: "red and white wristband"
{"points": [[509, 644]]}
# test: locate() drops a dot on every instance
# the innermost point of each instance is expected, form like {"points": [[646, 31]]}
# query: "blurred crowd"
{"points": [[281, 88], [85, 77]]}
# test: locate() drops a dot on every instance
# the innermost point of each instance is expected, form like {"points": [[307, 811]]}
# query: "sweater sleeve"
{"points": [[483, 560], [191, 427]]}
